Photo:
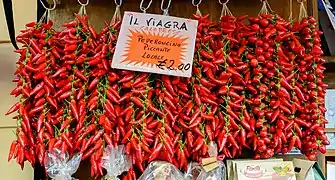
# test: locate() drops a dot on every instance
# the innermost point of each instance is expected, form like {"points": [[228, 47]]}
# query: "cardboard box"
{"points": [[308, 170], [269, 170], [231, 165]]}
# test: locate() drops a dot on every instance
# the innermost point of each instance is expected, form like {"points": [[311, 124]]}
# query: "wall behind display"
{"points": [[10, 170], [24, 11], [104, 9]]}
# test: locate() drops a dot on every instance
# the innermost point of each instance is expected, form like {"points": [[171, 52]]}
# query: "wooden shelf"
{"points": [[330, 152], [330, 130], [4, 41], [329, 59]]}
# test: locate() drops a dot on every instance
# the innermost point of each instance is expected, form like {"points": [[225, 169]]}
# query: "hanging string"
{"points": [[266, 9], [118, 4], [46, 15], [225, 10], [165, 10], [144, 9], [82, 9], [290, 17], [197, 5], [302, 12], [117, 14]]}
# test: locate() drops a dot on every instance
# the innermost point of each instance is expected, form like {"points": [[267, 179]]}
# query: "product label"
{"points": [[156, 44]]}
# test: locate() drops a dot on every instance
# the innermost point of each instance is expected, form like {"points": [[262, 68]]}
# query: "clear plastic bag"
{"points": [[218, 173], [193, 171], [161, 170], [58, 165], [165, 171], [197, 172], [115, 161]]}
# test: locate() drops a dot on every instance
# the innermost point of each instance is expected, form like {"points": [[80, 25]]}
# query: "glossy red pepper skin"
{"points": [[14, 108], [199, 142], [231, 140], [247, 90], [155, 152]]}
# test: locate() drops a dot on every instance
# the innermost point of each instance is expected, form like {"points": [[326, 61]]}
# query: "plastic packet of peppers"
{"points": [[196, 171], [161, 170], [165, 171], [58, 165], [115, 161]]}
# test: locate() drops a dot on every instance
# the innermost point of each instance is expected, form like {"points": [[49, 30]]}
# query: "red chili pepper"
{"points": [[232, 114], [67, 141], [126, 78], [155, 110], [52, 102], [170, 103], [13, 148], [65, 95], [16, 91], [284, 83], [73, 107], [155, 152], [199, 142], [37, 88], [107, 139], [125, 97], [300, 95], [285, 109], [115, 93], [245, 125], [301, 122], [14, 108], [137, 102], [195, 115], [168, 85], [231, 140], [35, 46], [209, 132], [70, 24], [93, 32], [65, 124], [93, 84], [234, 105], [196, 98], [80, 75], [284, 93]]}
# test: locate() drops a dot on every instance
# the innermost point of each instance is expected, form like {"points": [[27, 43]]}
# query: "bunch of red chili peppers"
{"points": [[266, 79], [256, 86]]}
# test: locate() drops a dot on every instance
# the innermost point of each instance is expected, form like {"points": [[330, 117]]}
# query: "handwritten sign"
{"points": [[156, 43]]}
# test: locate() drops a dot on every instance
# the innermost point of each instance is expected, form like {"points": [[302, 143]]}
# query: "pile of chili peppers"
{"points": [[255, 87]]}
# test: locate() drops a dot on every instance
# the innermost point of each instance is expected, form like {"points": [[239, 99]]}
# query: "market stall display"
{"points": [[256, 85]]}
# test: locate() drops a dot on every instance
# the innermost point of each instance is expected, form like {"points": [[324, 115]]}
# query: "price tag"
{"points": [[156, 44]]}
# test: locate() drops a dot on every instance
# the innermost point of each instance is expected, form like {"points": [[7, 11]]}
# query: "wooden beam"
{"points": [[4, 41], [312, 8], [329, 59], [330, 129], [330, 152], [8, 127]]}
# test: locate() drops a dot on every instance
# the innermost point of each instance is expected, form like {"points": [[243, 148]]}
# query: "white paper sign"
{"points": [[156, 43]]}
